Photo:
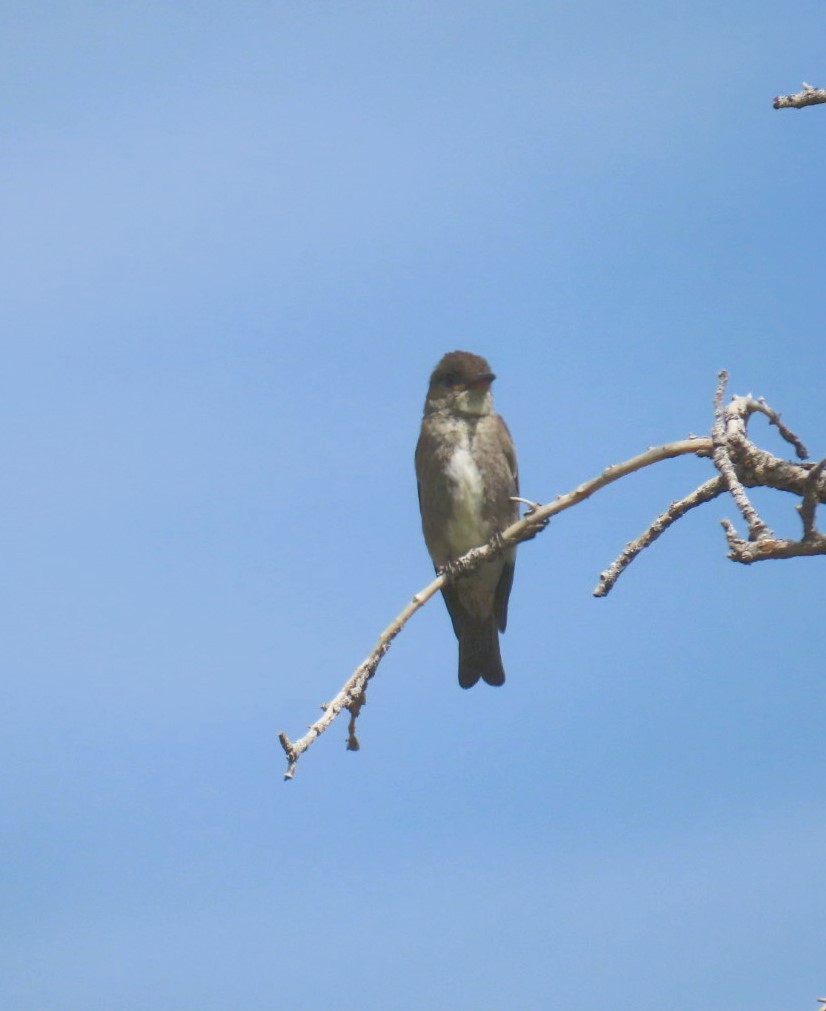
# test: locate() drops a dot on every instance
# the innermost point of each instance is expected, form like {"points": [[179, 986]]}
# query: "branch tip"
{"points": [[808, 96]]}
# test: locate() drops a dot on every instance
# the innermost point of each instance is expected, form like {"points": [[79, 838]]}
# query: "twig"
{"points": [[810, 501], [771, 548], [355, 711], [352, 694], [809, 96], [705, 493], [774, 419]]}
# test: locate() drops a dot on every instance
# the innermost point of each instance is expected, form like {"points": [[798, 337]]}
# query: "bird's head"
{"points": [[460, 384]]}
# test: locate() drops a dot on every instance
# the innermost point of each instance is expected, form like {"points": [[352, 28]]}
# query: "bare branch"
{"points": [[751, 467], [771, 547], [809, 96], [705, 493], [696, 445], [725, 435], [351, 696]]}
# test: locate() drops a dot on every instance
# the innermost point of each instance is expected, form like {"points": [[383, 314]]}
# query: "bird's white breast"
{"points": [[466, 528]]}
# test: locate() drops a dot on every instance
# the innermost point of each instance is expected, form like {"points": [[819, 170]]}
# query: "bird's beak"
{"points": [[480, 381]]}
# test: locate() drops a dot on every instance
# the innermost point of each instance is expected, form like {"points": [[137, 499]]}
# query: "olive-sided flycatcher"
{"points": [[466, 470]]}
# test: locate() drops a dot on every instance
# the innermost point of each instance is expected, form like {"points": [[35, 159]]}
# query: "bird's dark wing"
{"points": [[503, 587]]}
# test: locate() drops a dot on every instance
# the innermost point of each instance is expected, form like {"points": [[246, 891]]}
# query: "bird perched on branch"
{"points": [[467, 476]]}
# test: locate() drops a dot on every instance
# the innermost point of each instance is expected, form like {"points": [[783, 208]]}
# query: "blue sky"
{"points": [[237, 239]]}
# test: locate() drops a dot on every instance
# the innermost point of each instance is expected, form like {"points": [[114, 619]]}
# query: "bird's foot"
{"points": [[450, 570], [539, 525]]}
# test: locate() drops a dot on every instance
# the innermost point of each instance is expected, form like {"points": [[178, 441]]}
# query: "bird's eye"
{"points": [[451, 379]]}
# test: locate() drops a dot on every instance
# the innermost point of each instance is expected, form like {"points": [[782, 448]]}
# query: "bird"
{"points": [[467, 480]]}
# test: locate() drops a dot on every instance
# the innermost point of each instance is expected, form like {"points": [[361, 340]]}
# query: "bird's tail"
{"points": [[479, 655]]}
